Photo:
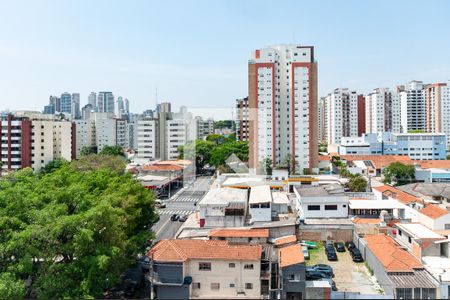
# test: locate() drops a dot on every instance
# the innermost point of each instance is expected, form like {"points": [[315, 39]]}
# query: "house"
{"points": [[193, 269], [260, 204], [240, 235], [280, 204], [328, 201], [291, 272], [398, 272], [411, 203], [223, 207], [435, 217], [418, 239]]}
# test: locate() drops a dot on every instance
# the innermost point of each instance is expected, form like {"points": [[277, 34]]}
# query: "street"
{"points": [[182, 203]]}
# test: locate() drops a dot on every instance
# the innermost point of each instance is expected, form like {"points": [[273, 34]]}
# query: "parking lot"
{"points": [[349, 276]]}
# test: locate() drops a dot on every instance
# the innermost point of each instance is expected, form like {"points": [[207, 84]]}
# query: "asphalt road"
{"points": [[182, 203]]}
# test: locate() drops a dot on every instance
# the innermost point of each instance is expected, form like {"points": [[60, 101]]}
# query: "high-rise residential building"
{"points": [[49, 109], [85, 135], [412, 107], [242, 119], [361, 115], [321, 120], [75, 109], [161, 137], [437, 102], [382, 111], [92, 100], [31, 139], [56, 103], [283, 106], [86, 111], [120, 107], [127, 106], [105, 102], [165, 107], [342, 115], [66, 103], [204, 127]]}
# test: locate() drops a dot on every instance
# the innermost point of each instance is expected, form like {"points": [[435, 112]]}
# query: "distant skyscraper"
{"points": [[120, 108], [127, 106], [412, 106], [242, 119], [105, 102], [86, 111], [165, 107], [56, 102], [92, 100], [381, 111], [283, 107], [49, 109], [75, 111], [66, 103], [437, 100]]}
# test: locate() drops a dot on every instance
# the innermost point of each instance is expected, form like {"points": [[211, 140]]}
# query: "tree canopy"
{"points": [[87, 150], [357, 183], [112, 150], [398, 173], [66, 233]]}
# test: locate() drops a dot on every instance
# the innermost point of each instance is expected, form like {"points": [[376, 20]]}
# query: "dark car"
{"points": [[331, 255], [312, 274], [350, 245], [356, 255], [182, 218], [174, 217], [326, 269], [328, 243], [339, 247]]}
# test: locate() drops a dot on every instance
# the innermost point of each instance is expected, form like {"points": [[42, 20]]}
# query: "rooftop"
{"points": [[417, 230], [161, 167], [427, 190], [183, 250], [374, 204], [290, 255], [280, 198], [241, 233], [433, 211], [181, 162], [391, 256], [397, 194], [379, 161], [260, 194], [320, 191], [285, 240], [434, 164], [225, 196]]}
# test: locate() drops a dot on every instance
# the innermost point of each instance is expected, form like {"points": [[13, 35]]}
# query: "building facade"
{"points": [[437, 100], [242, 119], [283, 106]]}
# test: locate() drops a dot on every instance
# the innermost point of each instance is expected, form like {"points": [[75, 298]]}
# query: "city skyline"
{"points": [[142, 55]]}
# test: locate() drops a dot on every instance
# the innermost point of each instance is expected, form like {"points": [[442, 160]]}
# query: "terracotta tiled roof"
{"points": [[324, 157], [366, 220], [160, 167], [180, 162], [433, 211], [379, 161], [290, 255], [395, 193], [182, 250], [390, 255], [438, 164], [241, 233], [286, 240]]}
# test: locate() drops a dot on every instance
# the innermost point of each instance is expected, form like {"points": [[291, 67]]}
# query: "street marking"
{"points": [[162, 227]]}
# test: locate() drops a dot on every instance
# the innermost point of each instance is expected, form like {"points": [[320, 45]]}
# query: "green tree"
{"points": [[290, 164], [99, 161], [112, 150], [218, 139], [357, 183], [69, 232], [199, 150], [87, 150], [323, 147], [398, 173], [220, 154], [266, 165]]}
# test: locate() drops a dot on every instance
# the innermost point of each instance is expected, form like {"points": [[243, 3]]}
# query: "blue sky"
{"points": [[196, 52]]}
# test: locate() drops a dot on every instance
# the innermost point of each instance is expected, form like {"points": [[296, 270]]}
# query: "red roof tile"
{"points": [[391, 256], [160, 167], [433, 211], [286, 240], [242, 233], [290, 255], [183, 250], [379, 161], [438, 164], [395, 193]]}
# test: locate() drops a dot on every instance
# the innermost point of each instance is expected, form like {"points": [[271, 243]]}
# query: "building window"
{"points": [[428, 293], [409, 239], [215, 286], [417, 293], [447, 226], [404, 293], [294, 277], [330, 207], [248, 266], [399, 232], [249, 286], [231, 265], [204, 266], [231, 285], [313, 207], [196, 285]]}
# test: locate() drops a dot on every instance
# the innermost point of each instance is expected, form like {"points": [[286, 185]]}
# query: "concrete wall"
{"points": [[172, 292], [298, 270], [322, 233]]}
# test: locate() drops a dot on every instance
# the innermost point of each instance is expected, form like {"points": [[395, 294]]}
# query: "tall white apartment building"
{"points": [[382, 111], [30, 139], [204, 127], [321, 120], [437, 101], [412, 106], [85, 135], [176, 132], [147, 139], [342, 115], [283, 106]]}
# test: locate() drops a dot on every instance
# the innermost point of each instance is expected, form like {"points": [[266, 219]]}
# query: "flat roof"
{"points": [[320, 191], [224, 196], [419, 231], [280, 198], [260, 194], [437, 266], [374, 204], [151, 178]]}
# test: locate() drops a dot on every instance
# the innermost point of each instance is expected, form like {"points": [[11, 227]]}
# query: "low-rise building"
{"points": [[240, 235], [194, 269], [418, 239], [292, 272], [260, 204]]}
